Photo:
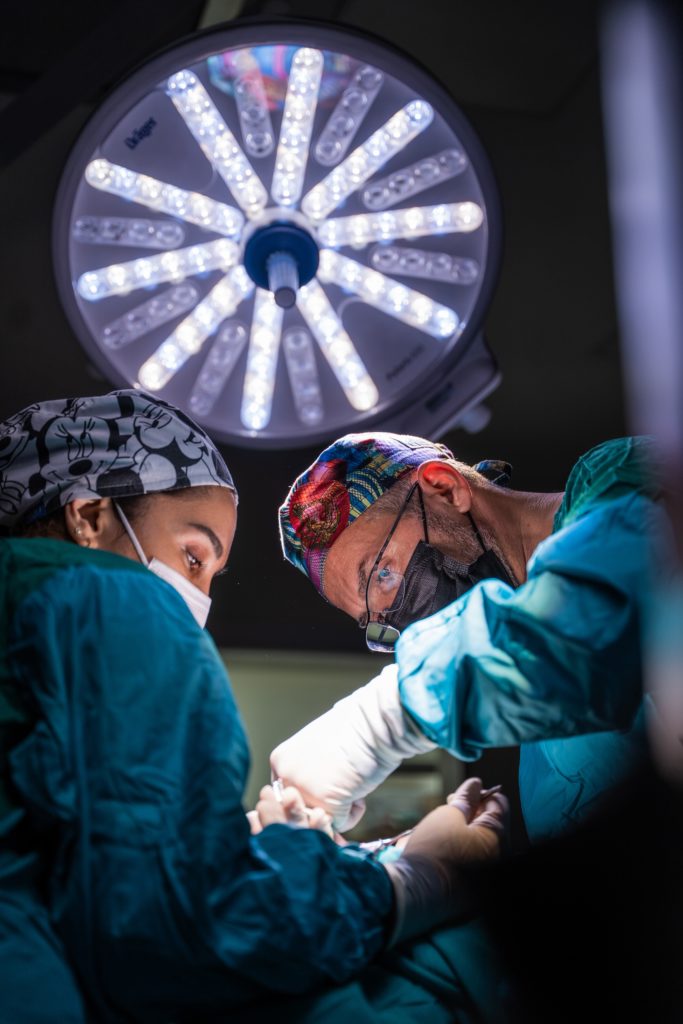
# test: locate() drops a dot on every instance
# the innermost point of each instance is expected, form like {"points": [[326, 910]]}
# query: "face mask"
{"points": [[198, 602], [433, 580]]}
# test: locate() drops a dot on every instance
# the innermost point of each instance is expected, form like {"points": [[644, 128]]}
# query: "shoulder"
{"points": [[61, 574], [607, 472], [113, 623], [618, 452], [607, 540], [52, 574], [117, 600]]}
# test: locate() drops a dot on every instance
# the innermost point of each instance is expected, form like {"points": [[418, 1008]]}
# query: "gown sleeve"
{"points": [[559, 655]]}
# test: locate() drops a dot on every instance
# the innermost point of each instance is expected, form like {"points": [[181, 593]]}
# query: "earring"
{"points": [[83, 543]]}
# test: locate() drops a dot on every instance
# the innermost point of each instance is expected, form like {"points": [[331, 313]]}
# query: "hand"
{"points": [[342, 756], [428, 889], [468, 828], [290, 810]]}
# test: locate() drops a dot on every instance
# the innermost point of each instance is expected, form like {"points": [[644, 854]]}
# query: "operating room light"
{"points": [[286, 230]]}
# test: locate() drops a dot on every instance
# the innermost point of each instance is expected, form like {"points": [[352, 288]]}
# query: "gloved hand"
{"points": [[339, 758], [474, 834], [287, 809], [428, 889]]}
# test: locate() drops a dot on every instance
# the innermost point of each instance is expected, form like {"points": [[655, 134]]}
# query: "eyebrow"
{"points": [[215, 542]]}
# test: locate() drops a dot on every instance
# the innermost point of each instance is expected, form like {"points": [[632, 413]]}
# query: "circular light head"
{"points": [[285, 230]]}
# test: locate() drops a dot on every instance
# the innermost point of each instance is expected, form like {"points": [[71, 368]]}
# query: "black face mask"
{"points": [[433, 580]]}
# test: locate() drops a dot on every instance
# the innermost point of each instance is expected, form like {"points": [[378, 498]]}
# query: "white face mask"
{"points": [[197, 601]]}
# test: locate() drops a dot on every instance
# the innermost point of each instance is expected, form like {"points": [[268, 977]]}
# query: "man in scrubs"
{"points": [[525, 609]]}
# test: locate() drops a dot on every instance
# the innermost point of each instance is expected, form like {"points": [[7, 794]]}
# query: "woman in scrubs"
{"points": [[131, 887]]}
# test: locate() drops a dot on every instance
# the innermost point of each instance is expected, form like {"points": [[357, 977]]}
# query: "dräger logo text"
{"points": [[141, 133]]}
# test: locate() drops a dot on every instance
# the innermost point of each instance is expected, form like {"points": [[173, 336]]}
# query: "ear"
{"points": [[90, 522], [440, 481]]}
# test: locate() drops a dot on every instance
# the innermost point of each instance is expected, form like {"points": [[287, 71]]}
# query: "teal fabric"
{"points": [[451, 977], [556, 664], [127, 871], [38, 985]]}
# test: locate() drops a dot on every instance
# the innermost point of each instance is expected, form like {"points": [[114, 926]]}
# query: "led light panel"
{"points": [[360, 165], [384, 293], [264, 346], [189, 336], [217, 142], [433, 266], [348, 115], [160, 195], [142, 319], [217, 367], [337, 347], [136, 232], [121, 278], [297, 124], [252, 105], [299, 350], [419, 176], [415, 222]]}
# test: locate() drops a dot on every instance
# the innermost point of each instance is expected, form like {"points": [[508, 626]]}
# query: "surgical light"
{"points": [[288, 230]]}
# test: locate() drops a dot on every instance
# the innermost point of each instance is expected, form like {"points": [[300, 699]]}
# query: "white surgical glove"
{"points": [[339, 758]]}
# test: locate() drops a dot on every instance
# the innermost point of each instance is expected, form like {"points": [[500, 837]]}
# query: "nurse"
{"points": [[131, 886], [515, 617]]}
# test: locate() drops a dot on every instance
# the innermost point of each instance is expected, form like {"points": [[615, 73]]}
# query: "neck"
{"points": [[514, 523]]}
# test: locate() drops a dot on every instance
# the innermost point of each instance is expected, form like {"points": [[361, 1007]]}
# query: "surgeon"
{"points": [[131, 886], [514, 617]]}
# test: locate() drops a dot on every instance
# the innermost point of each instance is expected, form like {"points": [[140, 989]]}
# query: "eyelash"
{"points": [[196, 564]]}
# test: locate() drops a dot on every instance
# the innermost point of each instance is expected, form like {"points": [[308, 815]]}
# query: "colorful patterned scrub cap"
{"points": [[108, 446], [339, 486]]}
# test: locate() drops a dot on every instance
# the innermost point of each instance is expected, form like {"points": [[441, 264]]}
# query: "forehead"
{"points": [[213, 505]]}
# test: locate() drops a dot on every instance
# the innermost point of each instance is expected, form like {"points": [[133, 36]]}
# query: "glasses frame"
{"points": [[384, 644]]}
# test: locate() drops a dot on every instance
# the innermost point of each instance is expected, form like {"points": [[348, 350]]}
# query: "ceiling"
{"points": [[527, 76]]}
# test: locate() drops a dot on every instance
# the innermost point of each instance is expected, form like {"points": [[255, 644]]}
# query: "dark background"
{"points": [[526, 74]]}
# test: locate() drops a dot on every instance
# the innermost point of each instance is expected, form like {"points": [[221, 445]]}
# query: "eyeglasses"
{"points": [[385, 589]]}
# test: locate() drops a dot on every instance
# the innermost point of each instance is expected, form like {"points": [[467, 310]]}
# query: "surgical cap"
{"points": [[109, 446], [339, 486]]}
